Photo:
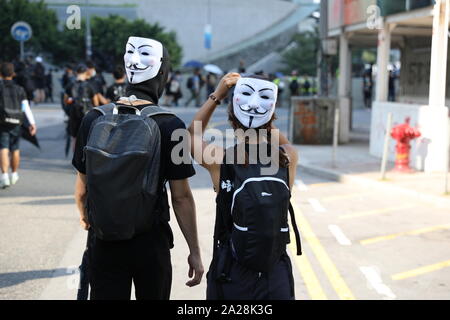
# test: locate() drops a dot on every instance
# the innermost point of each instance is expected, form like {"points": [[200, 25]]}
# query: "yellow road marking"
{"points": [[377, 211], [406, 233], [327, 265], [306, 271], [420, 271], [346, 196]]}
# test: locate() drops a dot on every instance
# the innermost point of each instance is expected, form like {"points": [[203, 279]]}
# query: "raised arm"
{"points": [[198, 127]]}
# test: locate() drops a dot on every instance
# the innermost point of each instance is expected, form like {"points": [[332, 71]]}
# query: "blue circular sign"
{"points": [[21, 31]]}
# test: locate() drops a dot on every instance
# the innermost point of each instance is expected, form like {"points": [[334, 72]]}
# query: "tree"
{"points": [[43, 22], [303, 56], [109, 35]]}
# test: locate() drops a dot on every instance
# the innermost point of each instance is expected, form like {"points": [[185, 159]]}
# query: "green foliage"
{"points": [[42, 21], [109, 35], [303, 57]]}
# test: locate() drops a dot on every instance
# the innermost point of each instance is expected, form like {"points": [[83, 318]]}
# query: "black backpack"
{"points": [[259, 213], [190, 83], [10, 104], [122, 168], [82, 102]]}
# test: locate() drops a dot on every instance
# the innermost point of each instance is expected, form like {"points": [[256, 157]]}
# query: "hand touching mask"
{"points": [[254, 101], [143, 59]]}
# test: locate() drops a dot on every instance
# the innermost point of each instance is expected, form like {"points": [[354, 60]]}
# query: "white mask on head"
{"points": [[254, 101], [143, 59]]}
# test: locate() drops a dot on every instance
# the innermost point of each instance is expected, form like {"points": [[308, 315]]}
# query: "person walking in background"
{"points": [[80, 97], [97, 83], [49, 86], [174, 88], [194, 86], [24, 78], [294, 86], [392, 78], [13, 106], [367, 89], [39, 81], [211, 83], [117, 90]]}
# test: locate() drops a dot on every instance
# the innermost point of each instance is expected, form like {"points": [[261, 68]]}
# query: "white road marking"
{"points": [[317, 206], [300, 185], [374, 281], [339, 235]]}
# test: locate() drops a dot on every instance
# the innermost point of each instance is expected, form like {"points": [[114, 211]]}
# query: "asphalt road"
{"points": [[359, 243]]}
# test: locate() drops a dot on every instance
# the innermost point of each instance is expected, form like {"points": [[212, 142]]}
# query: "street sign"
{"points": [[21, 31]]}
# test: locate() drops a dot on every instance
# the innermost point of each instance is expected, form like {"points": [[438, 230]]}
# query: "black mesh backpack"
{"points": [[122, 168]]}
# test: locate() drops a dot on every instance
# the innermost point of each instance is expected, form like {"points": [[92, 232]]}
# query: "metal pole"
{"points": [[22, 51], [335, 136], [88, 33], [386, 146], [446, 190]]}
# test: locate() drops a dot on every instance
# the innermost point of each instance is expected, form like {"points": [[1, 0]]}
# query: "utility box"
{"points": [[312, 120]]}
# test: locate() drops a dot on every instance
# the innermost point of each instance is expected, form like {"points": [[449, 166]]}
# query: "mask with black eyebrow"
{"points": [[254, 101], [147, 74]]}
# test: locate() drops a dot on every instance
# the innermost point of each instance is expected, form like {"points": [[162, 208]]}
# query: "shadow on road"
{"points": [[15, 278]]}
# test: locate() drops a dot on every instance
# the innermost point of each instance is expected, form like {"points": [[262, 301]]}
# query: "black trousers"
{"points": [[143, 260]]}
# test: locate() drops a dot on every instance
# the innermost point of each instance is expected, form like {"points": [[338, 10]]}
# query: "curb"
{"points": [[439, 201]]}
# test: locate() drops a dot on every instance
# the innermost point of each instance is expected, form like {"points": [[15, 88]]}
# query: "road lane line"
{"points": [[374, 212], [327, 265], [407, 233], [421, 270], [346, 196], [339, 235], [301, 185], [321, 184], [312, 284], [317, 206], [374, 280]]}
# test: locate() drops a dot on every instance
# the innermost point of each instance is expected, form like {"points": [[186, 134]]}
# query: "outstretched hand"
{"points": [[229, 80]]}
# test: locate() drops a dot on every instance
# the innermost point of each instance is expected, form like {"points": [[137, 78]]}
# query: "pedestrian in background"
{"points": [[13, 106], [117, 90], [39, 79], [194, 84]]}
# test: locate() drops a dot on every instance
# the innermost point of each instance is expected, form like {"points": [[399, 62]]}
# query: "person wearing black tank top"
{"points": [[239, 271]]}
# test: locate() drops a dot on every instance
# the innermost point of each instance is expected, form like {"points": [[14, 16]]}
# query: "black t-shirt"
{"points": [[169, 170], [88, 90], [12, 93]]}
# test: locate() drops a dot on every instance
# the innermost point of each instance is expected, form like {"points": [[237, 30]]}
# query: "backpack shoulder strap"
{"points": [[151, 111], [293, 222], [105, 109]]}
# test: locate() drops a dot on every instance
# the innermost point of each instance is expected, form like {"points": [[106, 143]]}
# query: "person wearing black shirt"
{"points": [[117, 90], [144, 259]]}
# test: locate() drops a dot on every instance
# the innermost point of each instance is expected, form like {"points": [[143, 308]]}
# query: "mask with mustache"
{"points": [[147, 65], [143, 59], [254, 101]]}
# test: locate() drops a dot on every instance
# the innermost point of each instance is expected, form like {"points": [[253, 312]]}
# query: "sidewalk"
{"points": [[354, 164]]}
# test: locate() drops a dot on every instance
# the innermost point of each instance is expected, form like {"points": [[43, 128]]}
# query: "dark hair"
{"points": [[90, 64], [236, 124], [119, 72], [7, 69], [81, 68]]}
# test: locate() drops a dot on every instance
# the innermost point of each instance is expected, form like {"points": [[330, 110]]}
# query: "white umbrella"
{"points": [[213, 69]]}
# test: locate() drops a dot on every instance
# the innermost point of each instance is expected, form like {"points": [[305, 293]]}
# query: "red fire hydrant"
{"points": [[403, 133]]}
